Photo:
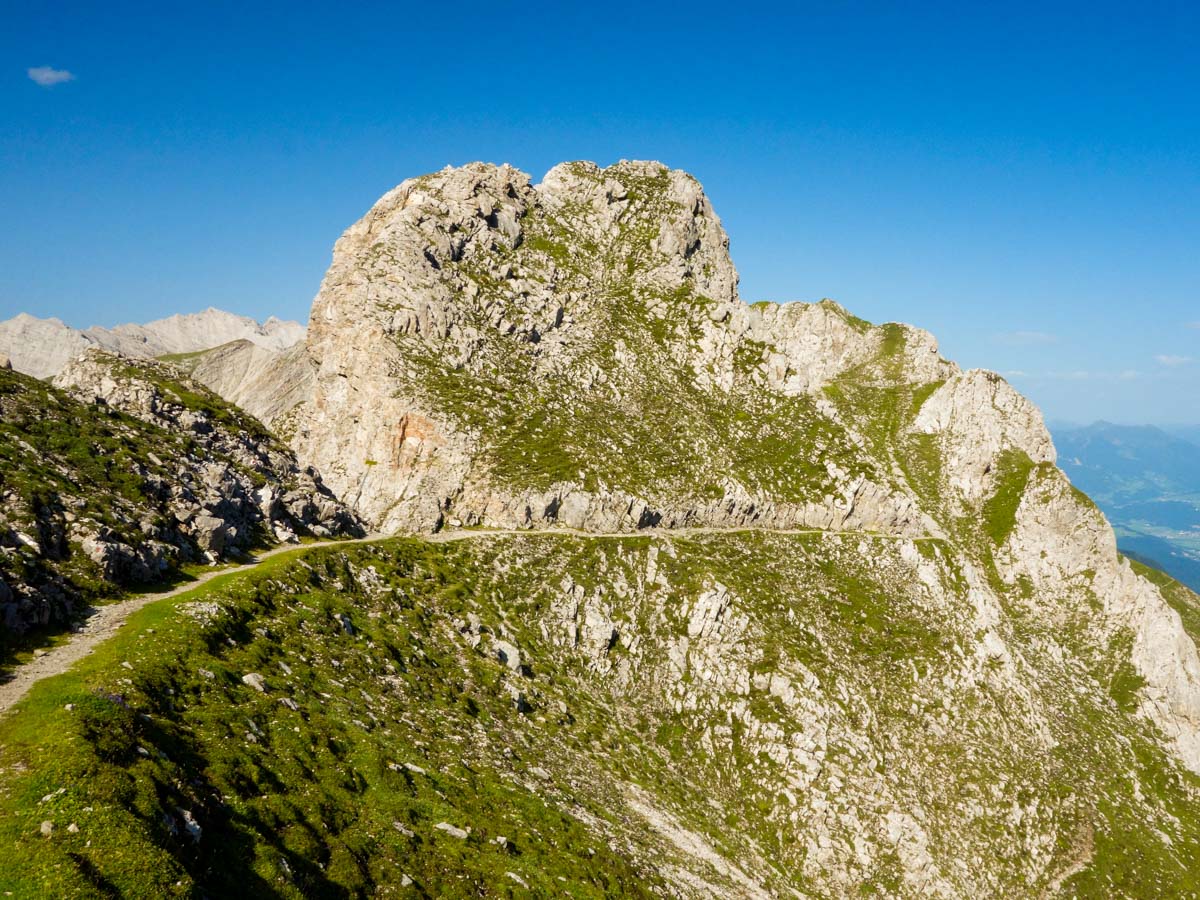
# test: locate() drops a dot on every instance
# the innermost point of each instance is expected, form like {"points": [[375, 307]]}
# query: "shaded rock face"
{"points": [[495, 352], [122, 472], [41, 347]]}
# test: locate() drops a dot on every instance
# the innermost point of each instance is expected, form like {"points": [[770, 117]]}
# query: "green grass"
{"points": [[319, 800], [1013, 468], [315, 813]]}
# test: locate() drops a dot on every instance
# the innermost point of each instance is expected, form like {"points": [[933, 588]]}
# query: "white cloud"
{"points": [[1168, 359], [1015, 373], [47, 76], [1192, 324], [1025, 338]]}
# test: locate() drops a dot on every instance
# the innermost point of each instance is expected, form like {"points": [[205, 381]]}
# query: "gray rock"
{"points": [[509, 654], [41, 347], [210, 533], [256, 681]]}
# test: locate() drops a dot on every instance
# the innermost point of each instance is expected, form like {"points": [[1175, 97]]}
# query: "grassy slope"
{"points": [[321, 800]]}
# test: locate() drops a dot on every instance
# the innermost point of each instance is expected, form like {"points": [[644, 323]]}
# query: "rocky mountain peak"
{"points": [[777, 601], [493, 352], [469, 304]]}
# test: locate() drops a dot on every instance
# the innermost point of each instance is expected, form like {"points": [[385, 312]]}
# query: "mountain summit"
{"points": [[495, 352]]}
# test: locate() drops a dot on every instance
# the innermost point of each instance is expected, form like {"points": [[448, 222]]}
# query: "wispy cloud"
{"points": [[1192, 324], [1024, 338], [1168, 359], [47, 76], [1015, 373]]}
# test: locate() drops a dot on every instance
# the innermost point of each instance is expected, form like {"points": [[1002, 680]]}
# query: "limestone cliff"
{"points": [[268, 384]]}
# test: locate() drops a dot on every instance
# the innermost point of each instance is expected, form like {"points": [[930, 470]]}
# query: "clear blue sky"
{"points": [[1024, 180]]}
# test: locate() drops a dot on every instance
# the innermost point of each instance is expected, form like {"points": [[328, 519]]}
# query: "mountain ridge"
{"points": [[41, 347]]}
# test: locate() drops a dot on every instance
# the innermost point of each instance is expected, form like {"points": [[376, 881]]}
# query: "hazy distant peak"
{"points": [[41, 347]]}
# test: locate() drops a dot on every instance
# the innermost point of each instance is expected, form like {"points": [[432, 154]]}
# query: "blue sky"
{"points": [[1024, 180]]}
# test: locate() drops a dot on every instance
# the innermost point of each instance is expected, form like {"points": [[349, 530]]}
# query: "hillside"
{"points": [[700, 599], [668, 715], [122, 473], [268, 384]]}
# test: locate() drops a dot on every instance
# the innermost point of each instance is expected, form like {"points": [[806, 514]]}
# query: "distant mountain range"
{"points": [[41, 347], [1190, 433], [1146, 479]]}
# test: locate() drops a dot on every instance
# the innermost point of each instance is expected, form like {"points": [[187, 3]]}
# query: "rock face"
{"points": [[495, 352], [41, 347], [268, 384], [490, 351], [123, 471], [289, 500]]}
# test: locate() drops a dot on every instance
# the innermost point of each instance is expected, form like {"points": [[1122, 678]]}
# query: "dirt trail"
{"points": [[103, 622]]}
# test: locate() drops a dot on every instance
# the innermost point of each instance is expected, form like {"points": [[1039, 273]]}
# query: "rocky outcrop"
{"points": [[977, 416], [124, 472], [241, 458], [470, 305], [41, 347]]}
